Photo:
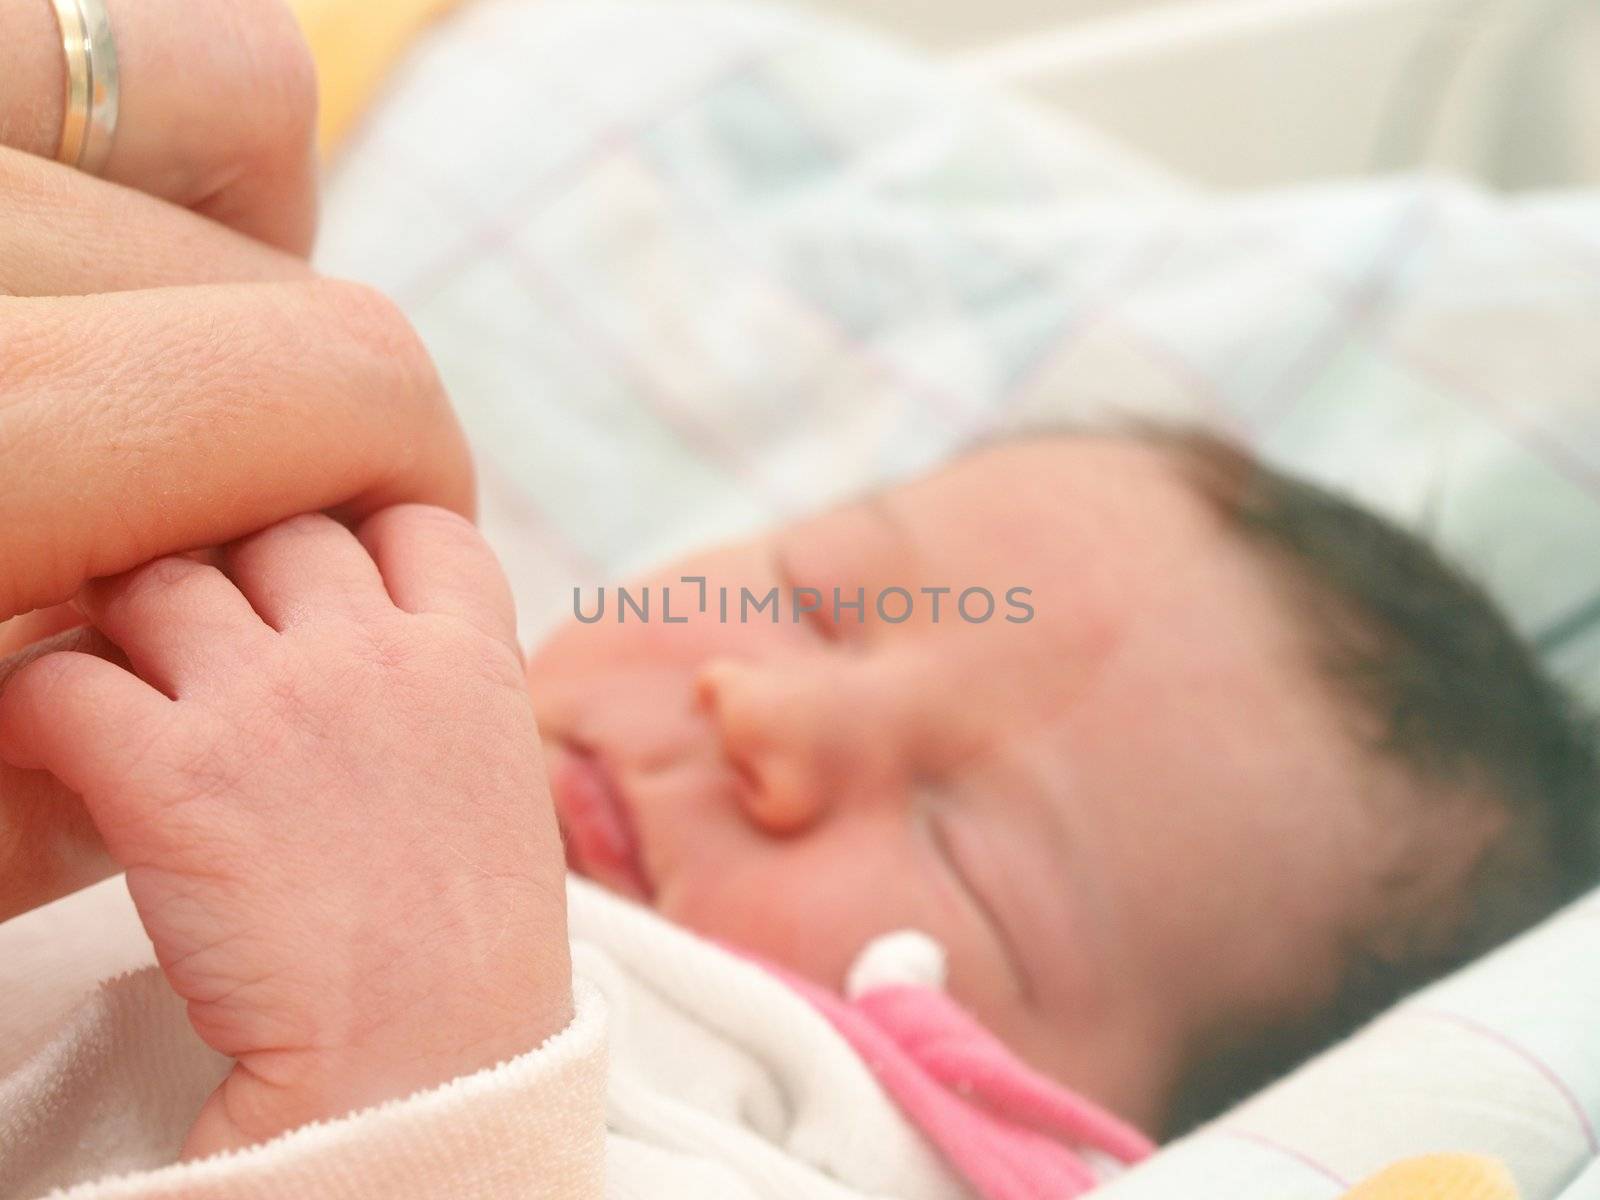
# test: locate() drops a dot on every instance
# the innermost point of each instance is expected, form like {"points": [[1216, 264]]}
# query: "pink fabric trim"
{"points": [[1010, 1132], [959, 1052]]}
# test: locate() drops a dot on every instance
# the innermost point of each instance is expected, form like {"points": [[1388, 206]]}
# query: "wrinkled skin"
{"points": [[172, 374], [322, 777]]}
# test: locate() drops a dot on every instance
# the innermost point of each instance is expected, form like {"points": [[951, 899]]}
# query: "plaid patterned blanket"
{"points": [[690, 269]]}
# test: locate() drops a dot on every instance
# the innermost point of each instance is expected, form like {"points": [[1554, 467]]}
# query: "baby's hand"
{"points": [[326, 788]]}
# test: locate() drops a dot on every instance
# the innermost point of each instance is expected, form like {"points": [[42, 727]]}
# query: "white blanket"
{"points": [[688, 269], [687, 1073]]}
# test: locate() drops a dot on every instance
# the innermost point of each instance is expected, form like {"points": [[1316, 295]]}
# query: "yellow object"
{"points": [[1440, 1177], [355, 42]]}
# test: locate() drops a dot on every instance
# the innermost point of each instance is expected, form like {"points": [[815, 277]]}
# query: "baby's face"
{"points": [[1129, 818]]}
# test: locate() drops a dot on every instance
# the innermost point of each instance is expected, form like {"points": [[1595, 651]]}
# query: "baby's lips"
{"points": [[599, 837]]}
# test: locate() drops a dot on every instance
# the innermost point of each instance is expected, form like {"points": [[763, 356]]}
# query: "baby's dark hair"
{"points": [[1456, 697]]}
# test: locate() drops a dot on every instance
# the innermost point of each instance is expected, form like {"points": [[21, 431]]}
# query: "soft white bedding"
{"points": [[687, 270], [709, 266]]}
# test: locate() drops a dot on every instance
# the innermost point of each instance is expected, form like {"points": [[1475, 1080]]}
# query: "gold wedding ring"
{"points": [[90, 123]]}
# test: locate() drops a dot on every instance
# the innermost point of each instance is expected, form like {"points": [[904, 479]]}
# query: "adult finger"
{"points": [[433, 561], [64, 233], [217, 114], [147, 423]]}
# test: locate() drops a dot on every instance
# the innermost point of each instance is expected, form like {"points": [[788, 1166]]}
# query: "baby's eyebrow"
{"points": [[873, 499], [874, 503]]}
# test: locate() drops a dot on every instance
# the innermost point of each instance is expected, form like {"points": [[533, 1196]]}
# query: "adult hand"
{"points": [[166, 383], [218, 113]]}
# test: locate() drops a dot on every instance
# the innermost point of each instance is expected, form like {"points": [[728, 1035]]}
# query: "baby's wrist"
{"points": [[403, 1053]]}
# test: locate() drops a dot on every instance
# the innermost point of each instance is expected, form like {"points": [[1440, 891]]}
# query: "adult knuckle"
{"points": [[274, 70], [427, 457], [294, 75], [398, 382], [374, 325]]}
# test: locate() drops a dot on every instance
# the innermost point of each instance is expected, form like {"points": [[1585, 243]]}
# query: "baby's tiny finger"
{"points": [[309, 565], [78, 717], [434, 561], [178, 621]]}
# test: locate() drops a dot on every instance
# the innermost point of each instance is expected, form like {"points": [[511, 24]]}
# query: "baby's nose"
{"points": [[767, 719]]}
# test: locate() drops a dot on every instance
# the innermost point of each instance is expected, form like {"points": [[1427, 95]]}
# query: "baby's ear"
{"points": [[1448, 847], [1418, 939]]}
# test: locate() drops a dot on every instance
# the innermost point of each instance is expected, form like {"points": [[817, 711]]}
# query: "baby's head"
{"points": [[1240, 764]]}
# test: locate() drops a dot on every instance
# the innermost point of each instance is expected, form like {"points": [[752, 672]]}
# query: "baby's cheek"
{"points": [[810, 912]]}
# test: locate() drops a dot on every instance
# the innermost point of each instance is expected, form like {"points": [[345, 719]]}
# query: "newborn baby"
{"points": [[1228, 766], [1256, 764]]}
